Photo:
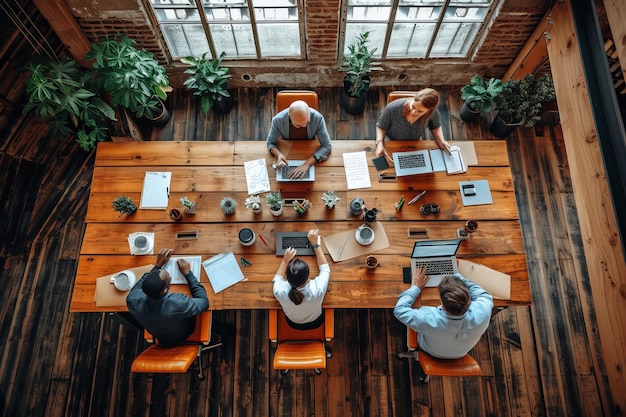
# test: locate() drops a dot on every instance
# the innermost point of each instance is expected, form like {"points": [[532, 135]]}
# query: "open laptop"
{"points": [[282, 173], [439, 257], [412, 162], [297, 240]]}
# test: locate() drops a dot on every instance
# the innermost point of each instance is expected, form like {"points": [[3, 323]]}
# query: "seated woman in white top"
{"points": [[300, 297]]}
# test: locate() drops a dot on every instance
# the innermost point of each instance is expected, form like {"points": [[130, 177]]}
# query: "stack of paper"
{"points": [[156, 190]]}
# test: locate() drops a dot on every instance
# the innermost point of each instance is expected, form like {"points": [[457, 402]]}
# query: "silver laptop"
{"points": [[297, 240], [412, 162], [282, 173], [438, 256]]}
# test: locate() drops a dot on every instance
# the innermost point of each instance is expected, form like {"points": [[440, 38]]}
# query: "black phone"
{"points": [[380, 162]]}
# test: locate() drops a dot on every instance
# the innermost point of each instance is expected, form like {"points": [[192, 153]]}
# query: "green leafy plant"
{"points": [[357, 64], [479, 94], [274, 200], [301, 206], [124, 205], [133, 78], [63, 95], [207, 79], [524, 99], [253, 202], [330, 198], [228, 205]]}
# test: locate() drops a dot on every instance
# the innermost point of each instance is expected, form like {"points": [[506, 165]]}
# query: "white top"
{"points": [[313, 291]]}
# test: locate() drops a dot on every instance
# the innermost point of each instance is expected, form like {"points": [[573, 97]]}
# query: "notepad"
{"points": [[156, 190], [177, 277], [454, 161], [223, 271], [257, 178]]}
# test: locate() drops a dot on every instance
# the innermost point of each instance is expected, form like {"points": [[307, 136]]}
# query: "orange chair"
{"points": [[178, 359], [429, 365], [284, 98], [300, 349], [394, 95]]}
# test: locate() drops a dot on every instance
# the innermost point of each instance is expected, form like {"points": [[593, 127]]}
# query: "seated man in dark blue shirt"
{"points": [[170, 317]]}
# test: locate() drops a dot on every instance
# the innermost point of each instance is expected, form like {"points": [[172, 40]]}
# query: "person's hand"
{"points": [[419, 278], [281, 161], [300, 171], [163, 256], [183, 266], [290, 253], [314, 236], [380, 149], [444, 145]]}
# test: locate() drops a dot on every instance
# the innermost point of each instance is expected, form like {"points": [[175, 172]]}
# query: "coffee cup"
{"points": [[247, 237], [370, 216], [471, 226], [124, 280], [371, 262], [356, 206], [364, 235], [141, 242]]}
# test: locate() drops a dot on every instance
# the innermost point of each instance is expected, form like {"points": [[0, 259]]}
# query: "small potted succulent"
{"points": [[124, 205], [301, 206], [330, 198], [274, 201], [189, 206], [254, 202], [228, 205]]}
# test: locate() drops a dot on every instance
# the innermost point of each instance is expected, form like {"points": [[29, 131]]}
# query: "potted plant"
{"points": [[479, 95], [520, 103], [189, 206], [274, 201], [254, 202], [301, 206], [124, 205], [63, 95], [357, 64], [132, 77], [330, 198], [228, 205], [207, 79]]}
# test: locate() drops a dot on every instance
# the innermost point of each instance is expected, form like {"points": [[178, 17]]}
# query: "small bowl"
{"points": [[364, 235]]}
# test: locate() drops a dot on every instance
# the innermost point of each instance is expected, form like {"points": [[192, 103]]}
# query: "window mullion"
{"points": [[255, 33], [392, 20], [437, 26], [205, 26]]}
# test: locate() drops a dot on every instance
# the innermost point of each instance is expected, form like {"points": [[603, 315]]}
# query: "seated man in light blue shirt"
{"points": [[452, 329], [299, 121]]}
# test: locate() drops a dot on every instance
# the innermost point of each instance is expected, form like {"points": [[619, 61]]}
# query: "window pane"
{"points": [[418, 14], [179, 14], [276, 13], [370, 14], [410, 40], [185, 40], [454, 39], [476, 14], [235, 40], [222, 14], [376, 37], [272, 39]]}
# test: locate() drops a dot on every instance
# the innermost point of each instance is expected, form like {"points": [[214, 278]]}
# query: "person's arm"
{"points": [[380, 139], [482, 301], [290, 253], [321, 132], [198, 293], [314, 239], [441, 142], [272, 140], [404, 310]]}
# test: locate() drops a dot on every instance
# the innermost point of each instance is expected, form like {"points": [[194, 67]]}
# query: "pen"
{"points": [[263, 240], [167, 190], [417, 197]]}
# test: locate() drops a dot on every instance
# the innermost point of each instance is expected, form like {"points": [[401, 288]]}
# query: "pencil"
{"points": [[262, 240]]}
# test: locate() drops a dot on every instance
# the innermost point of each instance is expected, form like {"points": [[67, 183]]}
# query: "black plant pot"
{"points": [[502, 129], [162, 118], [223, 106], [467, 114], [353, 105]]}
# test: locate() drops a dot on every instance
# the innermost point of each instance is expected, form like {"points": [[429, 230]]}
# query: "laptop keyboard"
{"points": [[296, 242], [439, 267], [286, 170], [411, 161]]}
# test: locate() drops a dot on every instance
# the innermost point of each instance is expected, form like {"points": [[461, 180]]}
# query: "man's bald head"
{"points": [[299, 113]]}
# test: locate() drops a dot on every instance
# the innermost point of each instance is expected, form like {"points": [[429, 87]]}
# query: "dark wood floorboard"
{"points": [[543, 360]]}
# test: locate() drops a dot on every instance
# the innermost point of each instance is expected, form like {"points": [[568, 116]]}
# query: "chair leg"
{"points": [[318, 371], [284, 371], [201, 350], [413, 354]]}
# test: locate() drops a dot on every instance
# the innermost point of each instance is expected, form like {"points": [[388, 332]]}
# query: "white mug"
{"points": [[124, 280]]}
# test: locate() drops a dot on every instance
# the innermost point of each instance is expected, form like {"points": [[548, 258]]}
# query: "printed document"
{"points": [[357, 171], [156, 190], [223, 271], [257, 178], [177, 277]]}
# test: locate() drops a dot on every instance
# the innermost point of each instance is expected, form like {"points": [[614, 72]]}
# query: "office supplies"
{"points": [[263, 240], [417, 197], [454, 161], [257, 178], [380, 162], [475, 193], [438, 256], [223, 271], [244, 262], [412, 162], [400, 203], [297, 240], [172, 268], [156, 190], [498, 284], [282, 173]]}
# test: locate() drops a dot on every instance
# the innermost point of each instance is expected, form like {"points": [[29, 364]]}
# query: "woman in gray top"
{"points": [[407, 119]]}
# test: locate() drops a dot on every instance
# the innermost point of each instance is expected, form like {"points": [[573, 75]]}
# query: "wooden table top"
{"points": [[208, 171]]}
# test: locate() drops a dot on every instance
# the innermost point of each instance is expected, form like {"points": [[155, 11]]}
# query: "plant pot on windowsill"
{"points": [[500, 128]]}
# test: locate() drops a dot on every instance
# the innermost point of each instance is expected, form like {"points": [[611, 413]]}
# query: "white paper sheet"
{"points": [[177, 277], [257, 178], [156, 190], [357, 171]]}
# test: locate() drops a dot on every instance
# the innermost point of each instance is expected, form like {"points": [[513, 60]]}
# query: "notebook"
{"points": [[439, 257], [177, 277], [412, 163], [282, 173], [297, 240]]}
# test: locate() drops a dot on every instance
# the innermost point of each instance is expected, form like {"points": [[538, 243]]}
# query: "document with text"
{"points": [[357, 171]]}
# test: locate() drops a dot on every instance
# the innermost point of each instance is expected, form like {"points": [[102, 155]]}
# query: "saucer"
{"points": [[142, 251], [364, 235]]}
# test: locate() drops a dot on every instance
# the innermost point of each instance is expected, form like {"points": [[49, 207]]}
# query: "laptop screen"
{"points": [[435, 248]]}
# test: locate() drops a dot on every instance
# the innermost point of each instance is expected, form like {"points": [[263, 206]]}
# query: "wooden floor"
{"points": [[542, 360]]}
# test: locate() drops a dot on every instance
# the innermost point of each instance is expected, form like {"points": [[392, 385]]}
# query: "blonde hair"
{"points": [[429, 97]]}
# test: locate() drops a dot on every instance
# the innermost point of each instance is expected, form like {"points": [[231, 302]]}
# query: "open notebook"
{"points": [[177, 277]]}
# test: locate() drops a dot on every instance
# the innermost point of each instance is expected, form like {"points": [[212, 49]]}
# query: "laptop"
{"points": [[282, 173], [412, 162], [438, 256], [297, 240]]}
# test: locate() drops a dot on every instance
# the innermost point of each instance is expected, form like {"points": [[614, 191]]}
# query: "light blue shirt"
{"points": [[441, 334], [315, 128], [311, 307]]}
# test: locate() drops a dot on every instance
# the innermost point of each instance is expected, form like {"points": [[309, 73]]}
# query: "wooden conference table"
{"points": [[208, 171]]}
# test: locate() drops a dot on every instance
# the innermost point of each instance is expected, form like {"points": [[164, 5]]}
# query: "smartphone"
{"points": [[380, 162]]}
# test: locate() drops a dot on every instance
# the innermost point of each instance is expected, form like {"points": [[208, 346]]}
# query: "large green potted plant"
{"points": [[62, 94], [357, 63], [207, 79], [520, 103], [132, 77], [479, 95]]}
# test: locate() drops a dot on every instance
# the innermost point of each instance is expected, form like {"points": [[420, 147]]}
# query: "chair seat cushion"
{"points": [[157, 359], [465, 366], [300, 355]]}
